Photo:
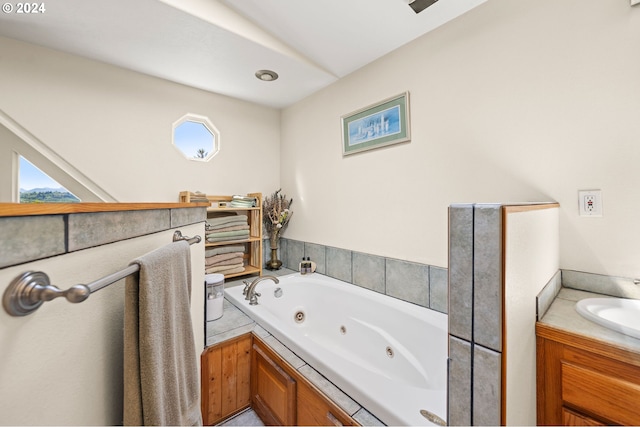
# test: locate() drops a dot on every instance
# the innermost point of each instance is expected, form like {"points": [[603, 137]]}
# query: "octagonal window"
{"points": [[196, 137]]}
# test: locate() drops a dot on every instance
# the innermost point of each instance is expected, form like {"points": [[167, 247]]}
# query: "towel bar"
{"points": [[28, 291]]}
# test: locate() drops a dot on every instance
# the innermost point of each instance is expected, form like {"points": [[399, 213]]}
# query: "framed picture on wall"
{"points": [[378, 125]]}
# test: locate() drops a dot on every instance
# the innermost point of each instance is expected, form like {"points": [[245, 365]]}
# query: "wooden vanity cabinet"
{"points": [[225, 379], [582, 381], [280, 395]]}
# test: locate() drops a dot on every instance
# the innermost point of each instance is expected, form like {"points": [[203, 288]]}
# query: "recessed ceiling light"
{"points": [[266, 75]]}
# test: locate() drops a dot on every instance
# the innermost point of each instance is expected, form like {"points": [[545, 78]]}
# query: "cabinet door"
{"points": [[226, 379], [315, 410], [273, 391]]}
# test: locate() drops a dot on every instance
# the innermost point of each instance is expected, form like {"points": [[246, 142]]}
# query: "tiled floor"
{"points": [[246, 418]]}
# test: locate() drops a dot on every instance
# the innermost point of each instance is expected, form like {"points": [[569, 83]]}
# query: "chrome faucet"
{"points": [[252, 295]]}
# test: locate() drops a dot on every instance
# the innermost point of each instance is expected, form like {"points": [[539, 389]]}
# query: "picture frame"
{"points": [[378, 125]]}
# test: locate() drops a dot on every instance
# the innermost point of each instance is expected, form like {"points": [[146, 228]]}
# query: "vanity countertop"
{"points": [[563, 315]]}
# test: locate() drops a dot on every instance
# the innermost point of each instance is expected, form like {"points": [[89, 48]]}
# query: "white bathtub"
{"points": [[390, 356]]}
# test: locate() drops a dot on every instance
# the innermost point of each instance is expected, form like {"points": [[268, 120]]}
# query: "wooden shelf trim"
{"points": [[231, 242], [29, 209]]}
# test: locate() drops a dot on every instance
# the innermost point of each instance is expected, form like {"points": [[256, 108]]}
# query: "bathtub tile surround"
{"points": [[317, 254], [64, 233], [290, 248], [283, 351], [365, 418], [438, 289], [417, 283], [369, 271], [232, 324], [408, 281], [332, 392], [339, 263]]}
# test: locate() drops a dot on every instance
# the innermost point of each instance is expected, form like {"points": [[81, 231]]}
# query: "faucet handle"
{"points": [[246, 283], [254, 299]]}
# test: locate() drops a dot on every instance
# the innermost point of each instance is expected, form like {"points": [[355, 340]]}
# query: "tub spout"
{"points": [[252, 295]]}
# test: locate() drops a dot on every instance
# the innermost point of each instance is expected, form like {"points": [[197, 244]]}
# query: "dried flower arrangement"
{"points": [[276, 215]]}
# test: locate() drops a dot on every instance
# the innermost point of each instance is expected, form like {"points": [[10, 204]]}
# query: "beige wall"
{"points": [[115, 126], [514, 101]]}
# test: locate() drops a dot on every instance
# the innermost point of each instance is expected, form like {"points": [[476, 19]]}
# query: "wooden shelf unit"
{"points": [[253, 254]]}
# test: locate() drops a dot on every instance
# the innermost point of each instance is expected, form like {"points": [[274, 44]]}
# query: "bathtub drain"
{"points": [[299, 316], [433, 417], [389, 352]]}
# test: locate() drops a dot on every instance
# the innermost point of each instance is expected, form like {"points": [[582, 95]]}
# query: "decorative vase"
{"points": [[274, 263]]}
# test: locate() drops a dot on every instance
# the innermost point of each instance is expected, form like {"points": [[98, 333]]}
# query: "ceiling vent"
{"points": [[420, 5]]}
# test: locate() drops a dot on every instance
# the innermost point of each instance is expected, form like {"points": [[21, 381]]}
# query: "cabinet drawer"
{"points": [[600, 394]]}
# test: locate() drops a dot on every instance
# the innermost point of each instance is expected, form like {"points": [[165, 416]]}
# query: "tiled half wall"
{"points": [[422, 284], [30, 238]]}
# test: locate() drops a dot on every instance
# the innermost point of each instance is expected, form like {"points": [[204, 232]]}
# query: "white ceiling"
{"points": [[218, 45]]}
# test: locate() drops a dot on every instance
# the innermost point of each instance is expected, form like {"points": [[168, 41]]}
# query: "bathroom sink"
{"points": [[618, 314]]}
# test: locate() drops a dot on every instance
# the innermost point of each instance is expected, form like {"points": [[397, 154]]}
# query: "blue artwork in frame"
{"points": [[378, 125]]}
